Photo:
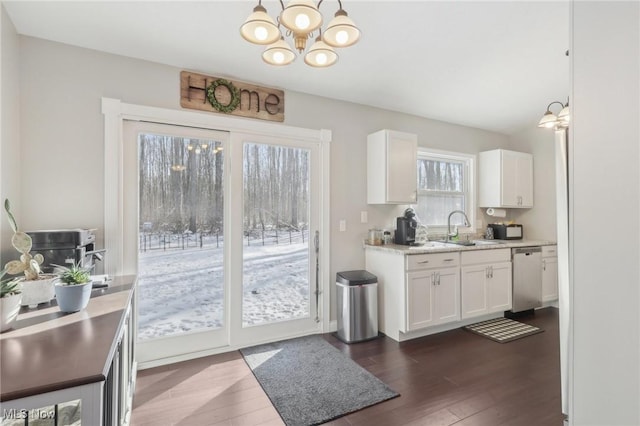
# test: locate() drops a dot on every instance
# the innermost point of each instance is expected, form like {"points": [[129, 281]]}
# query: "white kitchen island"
{"points": [[430, 289]]}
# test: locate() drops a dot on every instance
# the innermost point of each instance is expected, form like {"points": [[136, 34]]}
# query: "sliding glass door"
{"points": [[225, 237], [180, 238], [278, 217]]}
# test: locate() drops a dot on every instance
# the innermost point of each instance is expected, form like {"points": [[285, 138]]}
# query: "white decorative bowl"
{"points": [[39, 291]]}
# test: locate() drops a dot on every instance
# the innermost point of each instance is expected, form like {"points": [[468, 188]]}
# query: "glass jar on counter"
{"points": [[422, 234], [375, 237], [386, 238]]}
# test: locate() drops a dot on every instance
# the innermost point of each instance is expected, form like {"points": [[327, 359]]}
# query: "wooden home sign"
{"points": [[224, 96]]}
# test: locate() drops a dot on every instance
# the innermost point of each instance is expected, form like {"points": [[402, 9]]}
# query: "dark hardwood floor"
{"points": [[452, 378]]}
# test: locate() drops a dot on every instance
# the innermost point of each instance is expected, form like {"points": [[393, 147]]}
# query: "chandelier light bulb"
{"points": [[302, 21], [260, 33], [342, 37], [278, 57], [321, 58], [198, 150]]}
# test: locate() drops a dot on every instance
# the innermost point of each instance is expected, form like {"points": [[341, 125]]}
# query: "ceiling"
{"points": [[490, 65]]}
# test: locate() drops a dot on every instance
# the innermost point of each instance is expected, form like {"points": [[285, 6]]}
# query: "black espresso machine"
{"points": [[406, 228], [65, 246]]}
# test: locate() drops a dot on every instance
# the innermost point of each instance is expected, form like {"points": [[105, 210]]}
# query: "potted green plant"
{"points": [[36, 287], [10, 297], [73, 290]]}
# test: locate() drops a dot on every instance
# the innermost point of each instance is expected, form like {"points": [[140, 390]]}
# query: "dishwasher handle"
{"points": [[526, 250]]}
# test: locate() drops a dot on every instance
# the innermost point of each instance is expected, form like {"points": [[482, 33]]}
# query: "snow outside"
{"points": [[182, 290], [181, 242]]}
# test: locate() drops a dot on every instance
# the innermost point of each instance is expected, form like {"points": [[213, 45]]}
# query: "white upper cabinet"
{"points": [[392, 158], [506, 179]]}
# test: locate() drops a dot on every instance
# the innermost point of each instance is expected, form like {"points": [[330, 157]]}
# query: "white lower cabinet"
{"points": [[432, 297], [485, 282], [549, 273], [420, 294]]}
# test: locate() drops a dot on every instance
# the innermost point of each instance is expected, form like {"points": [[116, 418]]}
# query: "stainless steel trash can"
{"points": [[357, 306]]}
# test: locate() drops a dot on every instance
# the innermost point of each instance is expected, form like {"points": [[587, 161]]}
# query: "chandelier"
{"points": [[550, 120], [300, 19]]}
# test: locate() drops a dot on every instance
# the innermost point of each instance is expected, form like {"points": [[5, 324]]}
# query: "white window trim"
{"points": [[116, 111], [470, 182]]}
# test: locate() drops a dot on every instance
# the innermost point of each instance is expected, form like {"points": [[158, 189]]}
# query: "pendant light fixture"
{"points": [[341, 31], [320, 54], [279, 53], [259, 28], [550, 120], [300, 19]]}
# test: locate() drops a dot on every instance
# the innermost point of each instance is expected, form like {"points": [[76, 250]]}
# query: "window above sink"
{"points": [[445, 183]]}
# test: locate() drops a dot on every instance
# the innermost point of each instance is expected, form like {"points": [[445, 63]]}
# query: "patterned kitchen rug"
{"points": [[310, 382], [503, 330]]}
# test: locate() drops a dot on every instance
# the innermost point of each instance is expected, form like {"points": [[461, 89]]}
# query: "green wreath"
{"points": [[235, 95]]}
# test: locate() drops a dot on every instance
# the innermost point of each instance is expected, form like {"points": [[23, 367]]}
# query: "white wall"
{"points": [[540, 221], [9, 132], [604, 213], [61, 87]]}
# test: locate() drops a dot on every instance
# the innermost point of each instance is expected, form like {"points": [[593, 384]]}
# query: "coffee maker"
{"points": [[406, 228]]}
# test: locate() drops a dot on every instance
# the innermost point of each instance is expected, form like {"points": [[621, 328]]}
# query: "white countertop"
{"points": [[400, 249]]}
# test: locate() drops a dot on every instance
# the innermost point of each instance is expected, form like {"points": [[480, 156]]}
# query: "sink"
{"points": [[469, 243], [487, 242], [462, 243], [430, 245]]}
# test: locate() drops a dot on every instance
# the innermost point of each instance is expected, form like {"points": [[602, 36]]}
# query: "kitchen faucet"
{"points": [[455, 234]]}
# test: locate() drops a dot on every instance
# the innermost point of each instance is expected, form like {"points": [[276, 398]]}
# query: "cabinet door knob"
{"points": [[423, 262], [489, 271]]}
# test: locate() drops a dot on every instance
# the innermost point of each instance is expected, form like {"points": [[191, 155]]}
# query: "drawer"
{"points": [[473, 257], [435, 260], [549, 251]]}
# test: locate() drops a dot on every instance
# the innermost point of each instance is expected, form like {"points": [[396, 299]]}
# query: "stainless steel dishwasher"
{"points": [[527, 278]]}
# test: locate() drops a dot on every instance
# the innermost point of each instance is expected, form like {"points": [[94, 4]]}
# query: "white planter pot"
{"points": [[73, 298], [9, 307], [39, 291]]}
